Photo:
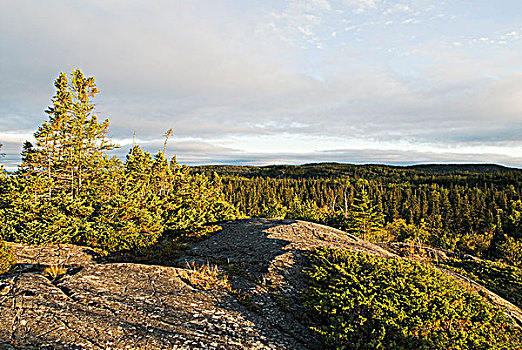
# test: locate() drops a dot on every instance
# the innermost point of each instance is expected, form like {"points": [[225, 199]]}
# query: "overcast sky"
{"points": [[272, 81]]}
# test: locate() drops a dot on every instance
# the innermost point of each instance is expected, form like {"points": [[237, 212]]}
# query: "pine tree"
{"points": [[62, 176], [365, 216], [29, 160], [70, 145]]}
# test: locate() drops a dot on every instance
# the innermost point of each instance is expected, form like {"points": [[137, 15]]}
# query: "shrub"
{"points": [[401, 231], [7, 259], [502, 279], [361, 301]]}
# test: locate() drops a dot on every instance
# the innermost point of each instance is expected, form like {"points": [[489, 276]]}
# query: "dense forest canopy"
{"points": [[471, 174], [473, 209]]}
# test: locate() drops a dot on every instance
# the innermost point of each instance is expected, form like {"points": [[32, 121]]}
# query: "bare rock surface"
{"points": [[102, 305], [127, 306], [269, 256], [54, 254]]}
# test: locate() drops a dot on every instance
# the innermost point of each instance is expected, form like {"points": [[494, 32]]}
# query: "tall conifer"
{"points": [[366, 218], [70, 145]]}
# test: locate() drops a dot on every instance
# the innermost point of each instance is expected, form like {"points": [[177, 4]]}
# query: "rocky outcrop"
{"points": [[102, 304], [128, 306], [268, 257]]}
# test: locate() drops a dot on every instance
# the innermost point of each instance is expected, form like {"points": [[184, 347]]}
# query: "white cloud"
{"points": [[397, 8], [411, 21], [318, 4], [228, 77]]}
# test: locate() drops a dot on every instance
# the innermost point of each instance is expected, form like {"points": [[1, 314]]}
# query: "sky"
{"points": [[276, 82]]}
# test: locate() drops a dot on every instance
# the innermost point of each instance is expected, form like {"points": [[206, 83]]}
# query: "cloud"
{"points": [[358, 156], [221, 74], [182, 51], [10, 151], [397, 8]]}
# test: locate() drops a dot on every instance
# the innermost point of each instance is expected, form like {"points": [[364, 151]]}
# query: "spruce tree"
{"points": [[68, 190], [62, 176], [365, 218], [70, 145]]}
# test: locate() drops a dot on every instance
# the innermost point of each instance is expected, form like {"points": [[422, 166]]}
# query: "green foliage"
{"points": [[273, 210], [400, 231], [502, 279], [419, 173], [307, 211], [29, 218], [478, 243], [68, 190], [361, 301], [510, 247], [513, 219], [470, 209], [196, 200], [127, 208], [511, 250], [366, 219], [7, 259], [71, 143]]}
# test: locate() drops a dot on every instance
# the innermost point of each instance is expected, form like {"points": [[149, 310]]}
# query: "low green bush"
{"points": [[502, 279], [360, 301], [7, 259], [145, 198]]}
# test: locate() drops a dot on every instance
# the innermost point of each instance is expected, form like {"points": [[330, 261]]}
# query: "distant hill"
{"points": [[453, 168], [330, 170]]}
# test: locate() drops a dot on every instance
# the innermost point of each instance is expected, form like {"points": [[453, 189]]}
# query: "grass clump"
{"points": [[7, 259], [54, 271], [206, 276], [360, 301]]}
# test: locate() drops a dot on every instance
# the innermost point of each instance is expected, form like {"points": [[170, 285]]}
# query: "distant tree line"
{"points": [[472, 212]]}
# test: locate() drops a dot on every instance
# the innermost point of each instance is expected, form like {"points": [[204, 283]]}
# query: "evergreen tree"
{"points": [[365, 217], [70, 145], [68, 190], [29, 160]]}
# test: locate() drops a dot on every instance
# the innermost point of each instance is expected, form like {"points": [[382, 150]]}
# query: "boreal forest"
{"points": [[146, 208], [473, 209]]}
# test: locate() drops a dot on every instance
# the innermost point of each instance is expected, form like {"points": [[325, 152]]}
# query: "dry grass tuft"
{"points": [[54, 271], [206, 277]]}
